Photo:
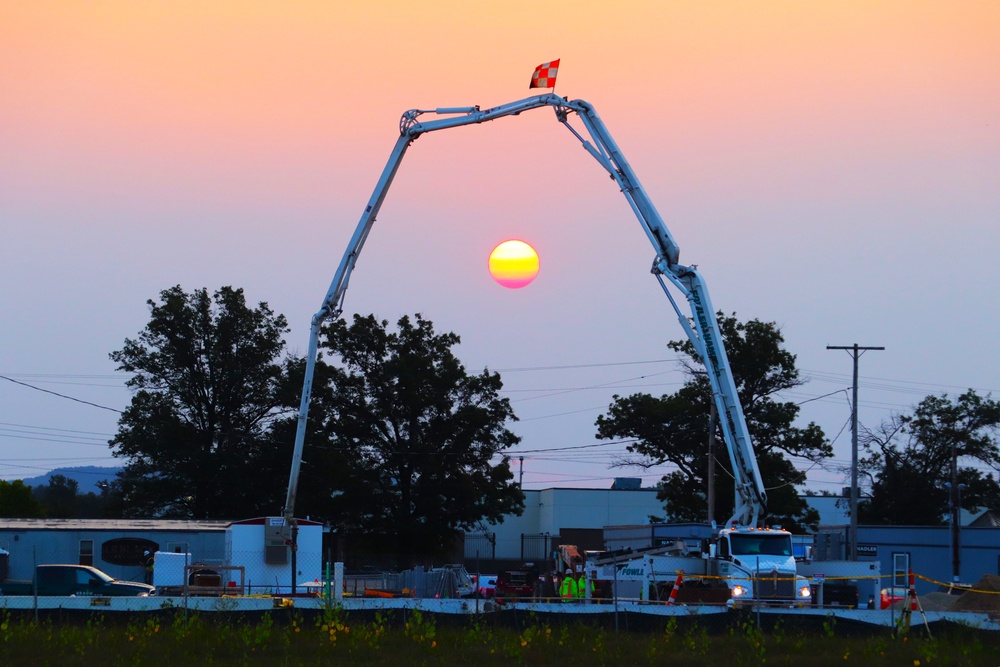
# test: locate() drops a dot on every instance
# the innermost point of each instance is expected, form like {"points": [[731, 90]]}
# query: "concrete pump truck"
{"points": [[749, 562]]}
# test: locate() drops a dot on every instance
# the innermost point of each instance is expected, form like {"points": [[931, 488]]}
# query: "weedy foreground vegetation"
{"points": [[420, 639]]}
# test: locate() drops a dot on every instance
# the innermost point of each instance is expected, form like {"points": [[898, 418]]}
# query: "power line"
{"points": [[604, 385], [816, 398], [56, 458], [63, 442], [70, 398], [562, 449], [87, 376], [610, 385], [596, 365], [51, 428], [883, 384], [868, 382]]}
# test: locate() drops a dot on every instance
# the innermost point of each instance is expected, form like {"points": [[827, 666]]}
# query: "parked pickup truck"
{"points": [[76, 580]]}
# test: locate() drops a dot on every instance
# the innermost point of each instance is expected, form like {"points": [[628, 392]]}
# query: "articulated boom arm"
{"points": [[705, 334]]}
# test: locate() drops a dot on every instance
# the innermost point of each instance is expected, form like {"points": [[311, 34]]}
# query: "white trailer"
{"points": [[263, 548]]}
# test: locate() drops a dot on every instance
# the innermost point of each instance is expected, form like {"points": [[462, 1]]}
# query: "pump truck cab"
{"points": [[758, 565]]}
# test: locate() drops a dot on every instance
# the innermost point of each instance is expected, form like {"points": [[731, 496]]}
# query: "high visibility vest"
{"points": [[582, 587], [567, 589]]}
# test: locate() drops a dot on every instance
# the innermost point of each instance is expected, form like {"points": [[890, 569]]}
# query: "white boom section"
{"points": [[705, 335]]}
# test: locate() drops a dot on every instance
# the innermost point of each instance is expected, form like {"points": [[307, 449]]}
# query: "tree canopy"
{"points": [[207, 379], [62, 498], [16, 501], [673, 428], [909, 460], [59, 497], [405, 446]]}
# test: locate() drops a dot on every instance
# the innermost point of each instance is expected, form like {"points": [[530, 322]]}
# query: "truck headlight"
{"points": [[805, 592], [738, 591]]}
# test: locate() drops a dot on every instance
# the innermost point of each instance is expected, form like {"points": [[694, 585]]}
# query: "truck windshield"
{"points": [[758, 544]]}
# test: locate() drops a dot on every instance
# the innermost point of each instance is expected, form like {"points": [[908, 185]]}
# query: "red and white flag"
{"points": [[545, 75]]}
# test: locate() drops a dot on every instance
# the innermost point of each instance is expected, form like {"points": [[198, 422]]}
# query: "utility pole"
{"points": [[955, 500], [856, 351]]}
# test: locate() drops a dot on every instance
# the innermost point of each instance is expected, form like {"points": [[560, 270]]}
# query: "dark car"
{"points": [[77, 580]]}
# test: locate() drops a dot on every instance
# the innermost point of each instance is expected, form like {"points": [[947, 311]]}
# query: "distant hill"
{"points": [[86, 476]]}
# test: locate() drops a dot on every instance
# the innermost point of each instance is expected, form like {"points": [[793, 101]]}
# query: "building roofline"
{"points": [[131, 525]]}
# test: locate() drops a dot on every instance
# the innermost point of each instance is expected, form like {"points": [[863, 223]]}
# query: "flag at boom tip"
{"points": [[545, 75]]}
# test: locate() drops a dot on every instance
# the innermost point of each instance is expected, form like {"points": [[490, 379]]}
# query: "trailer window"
{"points": [[86, 552]]}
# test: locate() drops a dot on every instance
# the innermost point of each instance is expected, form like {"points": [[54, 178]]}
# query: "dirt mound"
{"points": [[938, 602], [928, 602], [986, 601]]}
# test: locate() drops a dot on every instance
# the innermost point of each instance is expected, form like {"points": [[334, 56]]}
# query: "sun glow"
{"points": [[513, 264]]}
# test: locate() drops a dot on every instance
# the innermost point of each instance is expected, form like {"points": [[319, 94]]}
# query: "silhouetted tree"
{"points": [[674, 428], [910, 459], [16, 501], [405, 447], [207, 372], [59, 497]]}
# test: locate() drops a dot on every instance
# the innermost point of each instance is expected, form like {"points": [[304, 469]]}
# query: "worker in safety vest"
{"points": [[567, 589], [582, 585], [148, 560]]}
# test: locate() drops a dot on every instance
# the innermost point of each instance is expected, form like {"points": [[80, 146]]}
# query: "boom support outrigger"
{"points": [[705, 335]]}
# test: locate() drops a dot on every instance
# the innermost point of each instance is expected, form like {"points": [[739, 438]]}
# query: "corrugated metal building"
{"points": [[567, 516], [926, 549]]}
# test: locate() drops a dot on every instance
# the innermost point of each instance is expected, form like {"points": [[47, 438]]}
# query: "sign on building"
{"points": [[867, 550]]}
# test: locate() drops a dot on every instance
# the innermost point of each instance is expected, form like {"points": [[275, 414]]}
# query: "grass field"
{"points": [[421, 639]]}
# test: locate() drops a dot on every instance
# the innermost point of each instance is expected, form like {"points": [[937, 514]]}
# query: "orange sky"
{"points": [[226, 84]]}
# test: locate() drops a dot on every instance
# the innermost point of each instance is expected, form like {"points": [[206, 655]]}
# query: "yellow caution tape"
{"points": [[943, 583], [689, 576]]}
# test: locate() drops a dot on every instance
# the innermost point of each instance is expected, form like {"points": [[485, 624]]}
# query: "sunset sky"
{"points": [[832, 167]]}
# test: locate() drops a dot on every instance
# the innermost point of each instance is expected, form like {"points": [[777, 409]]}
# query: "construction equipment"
{"points": [[746, 573], [704, 334], [568, 557], [739, 565]]}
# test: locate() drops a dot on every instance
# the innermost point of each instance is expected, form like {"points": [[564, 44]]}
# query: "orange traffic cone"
{"points": [[677, 587], [912, 593]]}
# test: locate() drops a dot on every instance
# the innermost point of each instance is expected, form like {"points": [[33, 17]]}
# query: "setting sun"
{"points": [[513, 264]]}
